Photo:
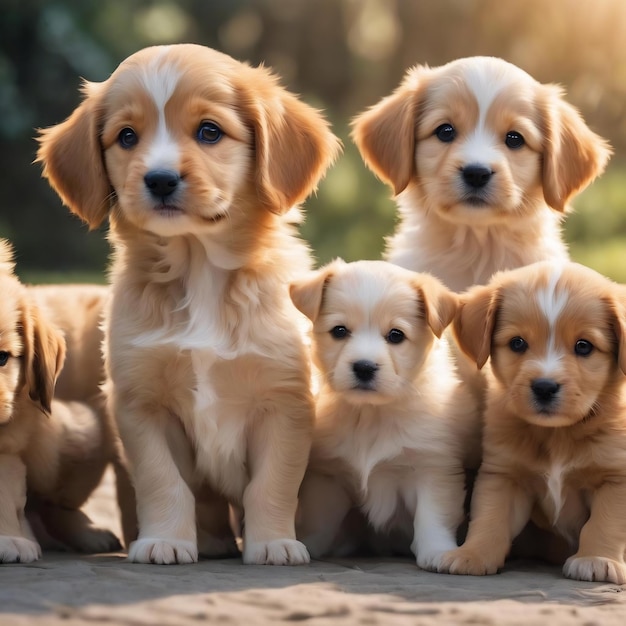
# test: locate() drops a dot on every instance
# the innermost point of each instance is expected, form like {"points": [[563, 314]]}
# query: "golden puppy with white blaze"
{"points": [[197, 160], [393, 423], [483, 160], [554, 444]]}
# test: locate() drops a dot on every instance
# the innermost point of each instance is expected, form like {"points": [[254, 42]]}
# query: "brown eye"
{"points": [[209, 132]]}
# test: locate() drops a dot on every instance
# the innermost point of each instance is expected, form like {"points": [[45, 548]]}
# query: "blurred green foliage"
{"points": [[341, 56]]}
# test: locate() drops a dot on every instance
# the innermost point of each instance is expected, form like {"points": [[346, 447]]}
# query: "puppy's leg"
{"points": [[600, 555], [438, 514], [500, 509], [165, 503], [17, 544], [278, 451], [323, 506]]}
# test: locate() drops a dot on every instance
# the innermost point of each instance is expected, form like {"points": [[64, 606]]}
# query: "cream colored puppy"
{"points": [[197, 160], [393, 425], [483, 160]]}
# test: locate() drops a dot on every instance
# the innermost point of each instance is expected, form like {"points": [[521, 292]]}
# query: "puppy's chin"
{"points": [[557, 416], [364, 397], [551, 420]]}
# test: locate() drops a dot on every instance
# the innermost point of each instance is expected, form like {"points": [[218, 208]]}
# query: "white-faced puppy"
{"points": [[58, 450], [483, 160], [196, 159], [393, 424], [555, 425]]}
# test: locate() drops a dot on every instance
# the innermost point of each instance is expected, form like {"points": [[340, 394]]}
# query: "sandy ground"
{"points": [[67, 589]]}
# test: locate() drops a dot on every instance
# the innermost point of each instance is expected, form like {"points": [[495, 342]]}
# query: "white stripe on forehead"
{"points": [[485, 85], [551, 302], [160, 79]]}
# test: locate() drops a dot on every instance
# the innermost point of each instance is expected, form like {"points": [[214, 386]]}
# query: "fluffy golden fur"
{"points": [[197, 160], [78, 312], [394, 427], [483, 160], [555, 425], [58, 450]]}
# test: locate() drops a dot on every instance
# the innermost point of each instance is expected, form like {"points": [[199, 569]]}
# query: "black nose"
{"points": [[544, 389], [476, 175], [364, 370], [161, 183]]}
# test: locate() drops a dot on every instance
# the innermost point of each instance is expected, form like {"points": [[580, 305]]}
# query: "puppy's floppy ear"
{"points": [[438, 302], [617, 306], [573, 155], [43, 356], [386, 133], [307, 293], [72, 159], [475, 321], [293, 143]]}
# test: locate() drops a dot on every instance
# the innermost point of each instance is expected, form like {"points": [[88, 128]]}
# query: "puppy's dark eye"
{"points": [[395, 336], [445, 133], [517, 344], [4, 357], [514, 140], [209, 132], [127, 138], [340, 332], [583, 347]]}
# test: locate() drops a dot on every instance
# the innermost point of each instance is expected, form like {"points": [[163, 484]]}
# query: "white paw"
{"points": [[595, 569], [162, 551], [18, 550], [430, 560], [277, 552]]}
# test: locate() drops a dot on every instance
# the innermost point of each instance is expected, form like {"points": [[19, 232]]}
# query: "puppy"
{"points": [[483, 160], [555, 425], [393, 424], [197, 160], [77, 311], [57, 450]]}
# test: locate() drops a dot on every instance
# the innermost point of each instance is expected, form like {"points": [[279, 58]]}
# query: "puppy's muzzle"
{"points": [[476, 176], [364, 372], [161, 183], [545, 391]]}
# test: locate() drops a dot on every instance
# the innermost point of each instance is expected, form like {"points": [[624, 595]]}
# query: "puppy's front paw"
{"points": [[595, 569], [162, 551], [277, 552], [18, 550], [466, 563]]}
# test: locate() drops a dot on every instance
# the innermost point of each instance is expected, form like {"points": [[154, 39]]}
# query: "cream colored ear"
{"points": [[7, 264], [44, 354], [475, 321], [72, 159], [439, 303], [573, 154], [293, 143], [386, 133], [307, 294]]}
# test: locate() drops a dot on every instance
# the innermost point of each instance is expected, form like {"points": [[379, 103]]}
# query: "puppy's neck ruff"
{"points": [[203, 293], [462, 255]]}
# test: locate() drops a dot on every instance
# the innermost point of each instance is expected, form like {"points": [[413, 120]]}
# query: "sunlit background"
{"points": [[341, 56]]}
